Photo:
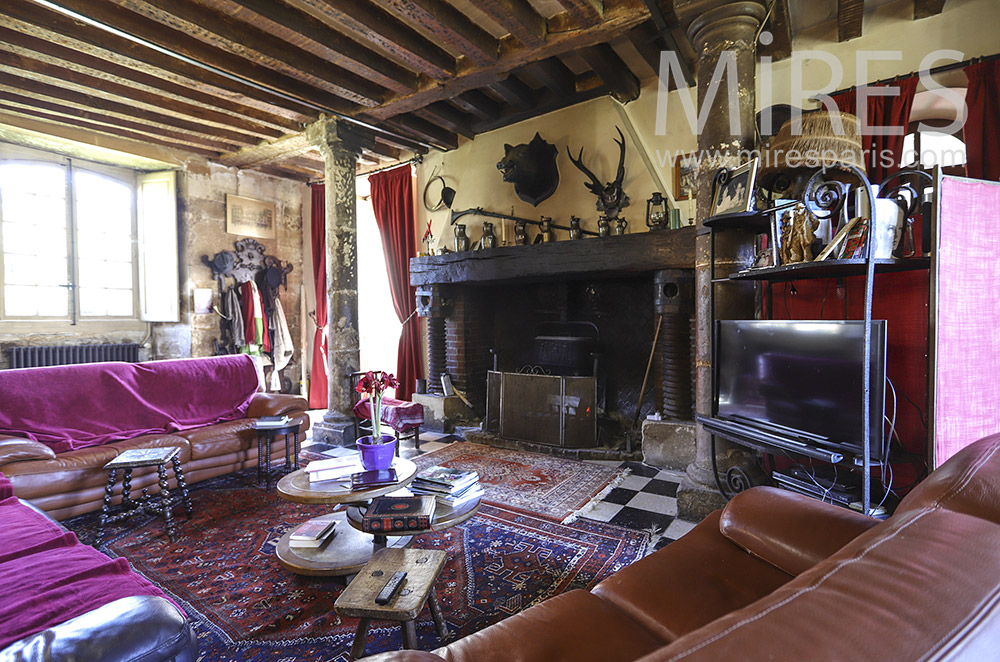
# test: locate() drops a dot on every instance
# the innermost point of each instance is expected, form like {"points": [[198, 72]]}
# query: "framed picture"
{"points": [[249, 217], [837, 239], [736, 194], [685, 176]]}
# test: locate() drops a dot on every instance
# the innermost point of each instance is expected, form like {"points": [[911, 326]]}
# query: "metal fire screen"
{"points": [[545, 409]]}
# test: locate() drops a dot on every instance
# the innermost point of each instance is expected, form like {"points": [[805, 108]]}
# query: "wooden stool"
{"points": [[422, 566], [145, 457]]}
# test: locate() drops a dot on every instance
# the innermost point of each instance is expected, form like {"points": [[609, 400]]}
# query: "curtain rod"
{"points": [[935, 70], [419, 158]]}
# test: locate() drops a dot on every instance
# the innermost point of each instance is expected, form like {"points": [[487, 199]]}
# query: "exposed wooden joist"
{"points": [[514, 91], [850, 16], [291, 172], [518, 17], [271, 152], [178, 42], [425, 130], [46, 24], [32, 68], [74, 58], [33, 103], [385, 152], [382, 70], [449, 26], [371, 24], [396, 139], [249, 41], [447, 116], [613, 71], [780, 27], [619, 17], [95, 127], [111, 108], [586, 12], [477, 103], [925, 8], [555, 75], [589, 86]]}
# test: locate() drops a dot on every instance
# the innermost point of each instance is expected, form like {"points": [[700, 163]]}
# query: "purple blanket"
{"points": [[76, 406]]}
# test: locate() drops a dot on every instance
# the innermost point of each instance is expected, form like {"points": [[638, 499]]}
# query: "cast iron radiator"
{"points": [[34, 357]]}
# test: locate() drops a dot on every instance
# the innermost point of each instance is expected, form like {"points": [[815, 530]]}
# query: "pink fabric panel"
{"points": [[76, 406], [6, 489], [397, 414], [967, 389]]}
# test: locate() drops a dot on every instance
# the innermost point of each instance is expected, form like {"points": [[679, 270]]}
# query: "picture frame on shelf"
{"points": [[838, 238], [685, 176], [736, 195]]}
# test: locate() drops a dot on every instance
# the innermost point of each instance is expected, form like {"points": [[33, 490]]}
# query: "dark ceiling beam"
{"points": [[551, 104], [648, 44], [619, 17], [54, 26], [517, 17], [447, 116], [780, 27], [449, 27], [425, 130], [13, 96], [371, 24], [664, 18], [385, 152], [223, 32], [514, 91], [382, 70], [555, 75], [291, 172], [586, 12], [95, 127], [178, 42], [397, 140], [613, 71], [35, 69], [123, 110], [850, 16], [926, 8], [477, 103], [70, 57]]}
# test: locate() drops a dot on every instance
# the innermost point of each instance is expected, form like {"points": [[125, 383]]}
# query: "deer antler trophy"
{"points": [[610, 197]]}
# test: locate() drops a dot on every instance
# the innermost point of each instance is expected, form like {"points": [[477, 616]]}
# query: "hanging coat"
{"points": [[283, 349]]}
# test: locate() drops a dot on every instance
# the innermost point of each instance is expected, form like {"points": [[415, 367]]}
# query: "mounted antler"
{"points": [[610, 197]]}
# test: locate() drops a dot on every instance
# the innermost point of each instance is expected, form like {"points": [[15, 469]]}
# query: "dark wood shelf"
{"points": [[755, 221], [831, 269]]}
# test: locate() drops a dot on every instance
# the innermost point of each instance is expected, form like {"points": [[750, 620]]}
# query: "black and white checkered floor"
{"points": [[646, 500]]}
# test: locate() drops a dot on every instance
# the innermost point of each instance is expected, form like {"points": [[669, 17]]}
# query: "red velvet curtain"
{"points": [[982, 127], [318, 384], [883, 153], [392, 200]]}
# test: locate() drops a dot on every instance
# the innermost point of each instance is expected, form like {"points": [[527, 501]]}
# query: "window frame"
{"points": [[74, 318]]}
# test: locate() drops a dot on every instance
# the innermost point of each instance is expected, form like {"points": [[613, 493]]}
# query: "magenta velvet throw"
{"points": [[48, 577], [76, 406]]}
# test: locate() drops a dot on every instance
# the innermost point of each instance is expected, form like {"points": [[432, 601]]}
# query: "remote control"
{"points": [[390, 588]]}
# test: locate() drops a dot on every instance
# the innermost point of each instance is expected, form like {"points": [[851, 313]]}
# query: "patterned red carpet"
{"points": [[541, 484], [244, 606]]}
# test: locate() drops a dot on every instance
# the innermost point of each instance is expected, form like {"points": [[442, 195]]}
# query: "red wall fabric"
{"points": [[392, 200], [882, 153], [318, 383], [982, 126]]}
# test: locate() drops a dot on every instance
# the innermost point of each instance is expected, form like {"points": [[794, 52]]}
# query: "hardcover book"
{"points": [[272, 422], [451, 479], [314, 532], [338, 468], [366, 479], [388, 513]]}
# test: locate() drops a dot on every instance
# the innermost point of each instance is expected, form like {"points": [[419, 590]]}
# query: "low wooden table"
{"points": [[144, 457], [422, 567], [265, 435]]}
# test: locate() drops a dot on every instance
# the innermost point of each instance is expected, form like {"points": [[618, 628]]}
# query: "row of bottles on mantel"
{"points": [[545, 232]]}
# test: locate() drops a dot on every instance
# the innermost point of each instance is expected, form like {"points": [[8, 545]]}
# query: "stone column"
{"points": [[340, 143], [715, 26]]}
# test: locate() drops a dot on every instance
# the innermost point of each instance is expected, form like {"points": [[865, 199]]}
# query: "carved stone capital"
{"points": [[717, 23], [333, 136]]}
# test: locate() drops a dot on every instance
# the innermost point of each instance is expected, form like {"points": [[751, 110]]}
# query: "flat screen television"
{"points": [[805, 377]]}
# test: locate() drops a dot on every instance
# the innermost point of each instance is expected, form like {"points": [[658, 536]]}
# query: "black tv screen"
{"points": [[803, 375]]}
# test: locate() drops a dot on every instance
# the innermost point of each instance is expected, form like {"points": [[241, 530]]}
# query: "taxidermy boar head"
{"points": [[611, 197], [532, 168]]}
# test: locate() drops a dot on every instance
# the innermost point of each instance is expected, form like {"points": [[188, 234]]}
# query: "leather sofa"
{"points": [[779, 576], [65, 483]]}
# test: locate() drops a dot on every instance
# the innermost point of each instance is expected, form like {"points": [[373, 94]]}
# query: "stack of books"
{"points": [[451, 487], [335, 468], [265, 422], [314, 533]]}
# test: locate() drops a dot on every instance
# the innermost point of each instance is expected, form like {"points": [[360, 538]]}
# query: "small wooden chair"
{"points": [[404, 417]]}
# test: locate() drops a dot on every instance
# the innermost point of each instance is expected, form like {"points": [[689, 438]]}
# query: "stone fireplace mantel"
{"points": [[580, 258]]}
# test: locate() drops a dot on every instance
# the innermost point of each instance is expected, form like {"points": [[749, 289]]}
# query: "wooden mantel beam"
{"points": [[926, 8]]}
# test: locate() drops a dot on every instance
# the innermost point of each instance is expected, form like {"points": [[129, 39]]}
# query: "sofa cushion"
{"points": [[77, 406], [15, 449], [690, 582], [570, 627], [71, 471], [221, 438]]}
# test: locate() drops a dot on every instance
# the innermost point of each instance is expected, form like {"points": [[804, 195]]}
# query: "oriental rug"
{"points": [[245, 607], [551, 487]]}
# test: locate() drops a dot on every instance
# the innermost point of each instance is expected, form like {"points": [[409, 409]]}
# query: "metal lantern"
{"points": [[656, 212]]}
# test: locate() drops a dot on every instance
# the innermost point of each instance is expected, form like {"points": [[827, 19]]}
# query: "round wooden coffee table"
{"points": [[349, 549]]}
